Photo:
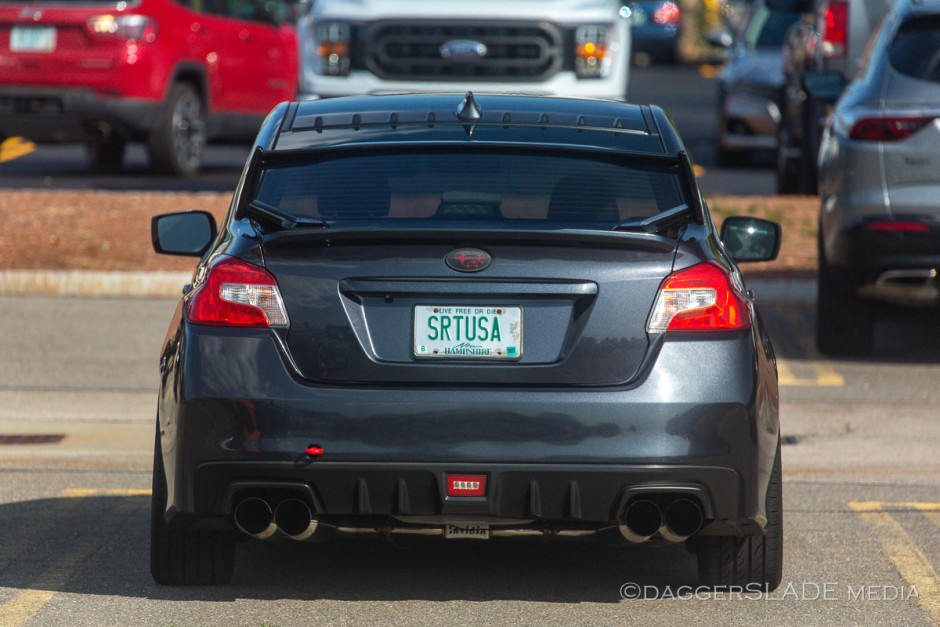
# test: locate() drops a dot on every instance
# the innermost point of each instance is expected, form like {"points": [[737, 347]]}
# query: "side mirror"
{"points": [[751, 239], [186, 233], [823, 85]]}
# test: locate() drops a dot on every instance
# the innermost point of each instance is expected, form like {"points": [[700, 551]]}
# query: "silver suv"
{"points": [[879, 180], [356, 47]]}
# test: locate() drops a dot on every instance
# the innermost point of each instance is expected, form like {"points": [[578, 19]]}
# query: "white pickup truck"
{"points": [[575, 48]]}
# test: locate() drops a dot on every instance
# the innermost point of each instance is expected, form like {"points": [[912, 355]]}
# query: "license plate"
{"points": [[32, 39], [475, 532], [468, 332]]}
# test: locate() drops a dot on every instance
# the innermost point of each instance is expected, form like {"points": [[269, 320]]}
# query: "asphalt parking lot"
{"points": [[862, 504]]}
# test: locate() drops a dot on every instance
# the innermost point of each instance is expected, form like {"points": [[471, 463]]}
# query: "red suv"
{"points": [[173, 74]]}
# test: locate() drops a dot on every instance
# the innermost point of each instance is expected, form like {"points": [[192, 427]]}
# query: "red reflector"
{"points": [[898, 227], [314, 450], [466, 485]]}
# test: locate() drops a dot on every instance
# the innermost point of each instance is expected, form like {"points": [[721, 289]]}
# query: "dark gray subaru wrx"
{"points": [[468, 317]]}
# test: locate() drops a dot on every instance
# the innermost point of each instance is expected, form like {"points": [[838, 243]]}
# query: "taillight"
{"points": [[700, 298], [667, 13], [887, 129], [239, 294], [897, 227], [834, 30], [130, 27]]}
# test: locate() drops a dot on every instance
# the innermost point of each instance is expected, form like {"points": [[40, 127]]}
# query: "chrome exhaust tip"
{"points": [[640, 521], [682, 518], [253, 517], [294, 519]]}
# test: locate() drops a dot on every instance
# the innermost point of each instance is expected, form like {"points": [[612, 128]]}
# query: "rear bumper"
{"points": [[232, 410], [896, 267], [73, 115]]}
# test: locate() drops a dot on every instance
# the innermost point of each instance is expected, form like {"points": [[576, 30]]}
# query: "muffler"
{"points": [[682, 518], [640, 521], [294, 519], [253, 516]]}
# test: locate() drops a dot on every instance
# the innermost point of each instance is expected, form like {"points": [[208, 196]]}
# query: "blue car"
{"points": [[655, 28]]}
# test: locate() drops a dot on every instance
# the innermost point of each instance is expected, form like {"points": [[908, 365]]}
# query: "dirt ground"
{"points": [[101, 230]]}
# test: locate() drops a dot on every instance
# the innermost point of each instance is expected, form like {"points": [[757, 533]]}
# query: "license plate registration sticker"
{"points": [[32, 39], [468, 332], [476, 532]]}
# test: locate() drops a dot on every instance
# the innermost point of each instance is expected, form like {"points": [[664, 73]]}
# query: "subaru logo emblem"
{"points": [[463, 50], [467, 259]]}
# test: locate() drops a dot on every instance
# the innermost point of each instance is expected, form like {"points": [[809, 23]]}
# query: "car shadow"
{"points": [[99, 544]]}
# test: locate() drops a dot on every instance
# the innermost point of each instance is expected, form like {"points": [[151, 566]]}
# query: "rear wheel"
{"points": [[752, 560], [843, 320], [178, 139], [180, 555]]}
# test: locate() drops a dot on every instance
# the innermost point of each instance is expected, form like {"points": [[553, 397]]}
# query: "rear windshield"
{"points": [[471, 186], [767, 28], [915, 51]]}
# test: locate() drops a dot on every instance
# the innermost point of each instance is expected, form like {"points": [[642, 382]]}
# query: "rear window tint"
{"points": [[481, 186], [915, 51], [767, 29]]}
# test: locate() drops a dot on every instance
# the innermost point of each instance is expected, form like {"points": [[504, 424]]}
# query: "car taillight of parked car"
{"points": [[129, 27], [834, 29], [235, 293], [887, 128], [700, 298], [667, 13]]}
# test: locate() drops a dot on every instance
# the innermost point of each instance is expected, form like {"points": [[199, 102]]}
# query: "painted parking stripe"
{"points": [[21, 608], [824, 372], [903, 553], [15, 147]]}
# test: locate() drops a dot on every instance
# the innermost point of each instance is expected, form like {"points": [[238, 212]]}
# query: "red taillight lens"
{"points": [[834, 29], [667, 13], [700, 298], [897, 227], [239, 294], [130, 27], [888, 129]]}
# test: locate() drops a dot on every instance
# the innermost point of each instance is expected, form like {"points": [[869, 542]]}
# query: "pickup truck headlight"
{"points": [[590, 52], [332, 48]]}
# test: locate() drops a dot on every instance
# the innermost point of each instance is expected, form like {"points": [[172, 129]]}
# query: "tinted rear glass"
{"points": [[767, 29], [471, 186], [915, 51]]}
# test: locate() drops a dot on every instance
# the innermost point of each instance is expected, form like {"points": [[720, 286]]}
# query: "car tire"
{"points": [[177, 142], [180, 555], [808, 175], [787, 175], [107, 154], [755, 563], [843, 320]]}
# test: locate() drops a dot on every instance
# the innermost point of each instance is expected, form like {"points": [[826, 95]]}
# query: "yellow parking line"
{"points": [[699, 170], [824, 373], [86, 492], [21, 608], [14, 147], [904, 554]]}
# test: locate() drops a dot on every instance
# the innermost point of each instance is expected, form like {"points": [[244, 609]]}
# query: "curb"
{"points": [[170, 285]]}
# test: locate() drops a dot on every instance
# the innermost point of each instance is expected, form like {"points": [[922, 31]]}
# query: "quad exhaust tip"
{"points": [[253, 516], [294, 519], [643, 518]]}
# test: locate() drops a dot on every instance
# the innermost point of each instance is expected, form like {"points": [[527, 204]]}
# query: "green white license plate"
{"points": [[468, 332], [32, 39]]}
